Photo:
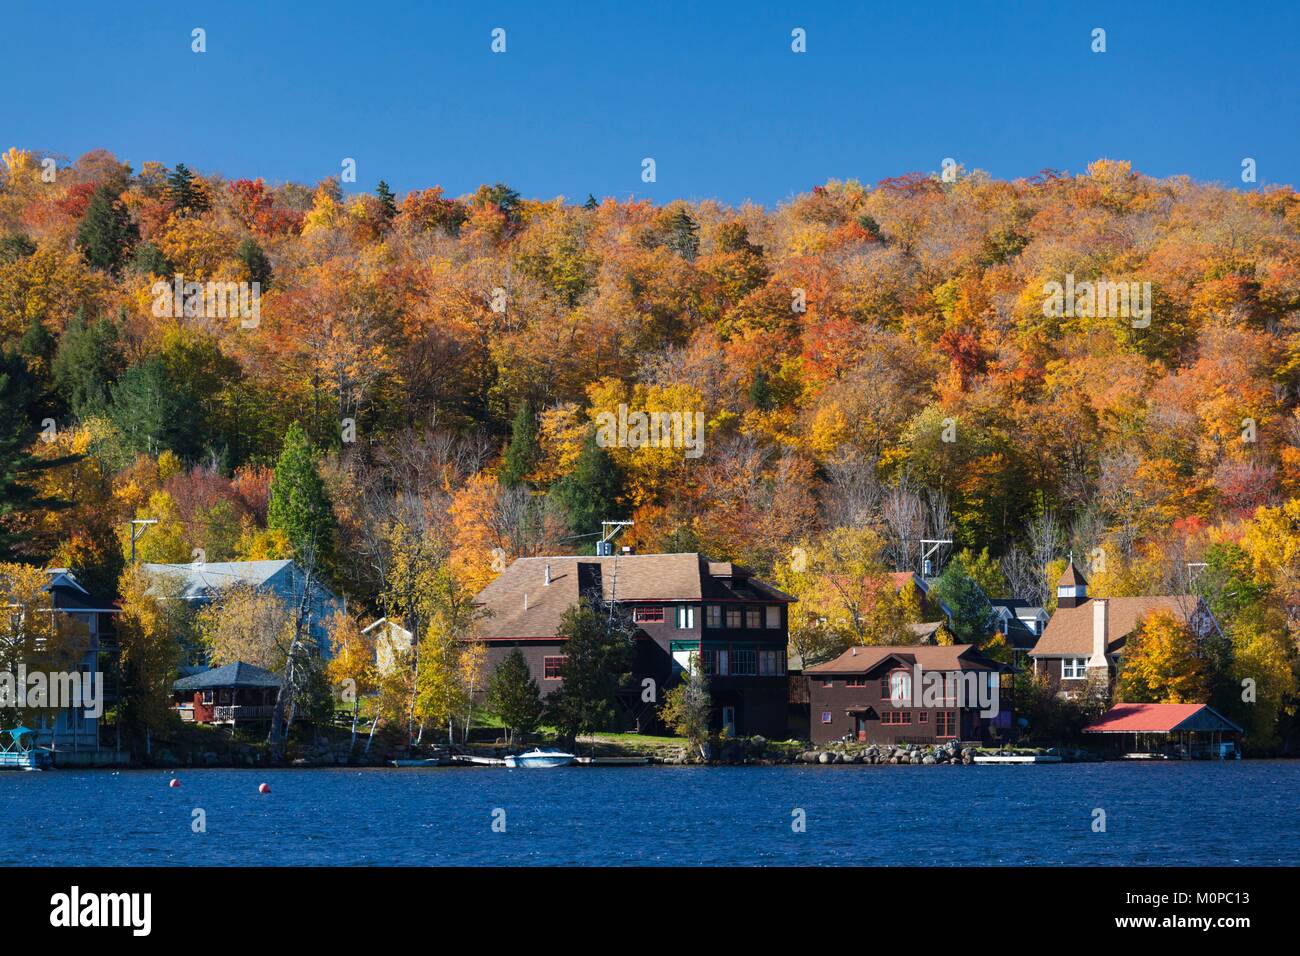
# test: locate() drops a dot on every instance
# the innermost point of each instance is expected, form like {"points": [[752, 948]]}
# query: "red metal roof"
{"points": [[1158, 719]]}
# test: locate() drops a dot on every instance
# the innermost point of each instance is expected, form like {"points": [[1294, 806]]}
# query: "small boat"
{"points": [[420, 762], [540, 758]]}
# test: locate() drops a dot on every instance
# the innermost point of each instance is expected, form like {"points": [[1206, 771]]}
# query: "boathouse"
{"points": [[233, 694], [1168, 731]]}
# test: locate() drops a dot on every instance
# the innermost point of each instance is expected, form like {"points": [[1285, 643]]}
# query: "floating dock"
{"points": [[613, 761], [1017, 758]]}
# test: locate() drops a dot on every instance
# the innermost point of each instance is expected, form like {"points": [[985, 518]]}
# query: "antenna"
{"points": [[143, 525]]}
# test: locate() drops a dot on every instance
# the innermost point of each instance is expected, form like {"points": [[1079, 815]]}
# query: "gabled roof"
{"points": [[925, 632], [237, 674], [200, 581], [68, 594], [1160, 719], [931, 657], [1069, 632], [633, 578]]}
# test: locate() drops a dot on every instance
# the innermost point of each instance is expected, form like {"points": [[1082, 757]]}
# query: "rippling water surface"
{"points": [[1168, 813]]}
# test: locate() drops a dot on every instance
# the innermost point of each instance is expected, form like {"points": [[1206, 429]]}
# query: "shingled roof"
{"points": [[1160, 719], [634, 578], [931, 657], [1069, 632], [237, 674]]}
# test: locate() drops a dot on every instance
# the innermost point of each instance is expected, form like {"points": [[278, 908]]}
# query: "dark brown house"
{"points": [[908, 694], [684, 606], [1083, 644], [235, 693]]}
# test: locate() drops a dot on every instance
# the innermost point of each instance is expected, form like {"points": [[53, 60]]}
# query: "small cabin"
{"points": [[237, 693]]}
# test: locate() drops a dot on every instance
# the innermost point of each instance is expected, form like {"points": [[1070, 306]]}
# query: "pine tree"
{"points": [[86, 364], [387, 201], [19, 396], [760, 393], [15, 246], [155, 413], [149, 260], [683, 235], [589, 494], [185, 192], [596, 665], [299, 505], [523, 453], [255, 263], [37, 345], [591, 203], [106, 234], [513, 695]]}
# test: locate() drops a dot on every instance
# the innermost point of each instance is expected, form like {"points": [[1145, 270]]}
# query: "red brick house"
{"points": [[882, 695], [235, 693], [682, 605]]}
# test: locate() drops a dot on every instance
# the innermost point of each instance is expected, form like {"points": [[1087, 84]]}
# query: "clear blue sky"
{"points": [[710, 90]]}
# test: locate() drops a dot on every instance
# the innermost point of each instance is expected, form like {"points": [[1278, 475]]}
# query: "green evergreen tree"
{"points": [[149, 260], [20, 396], [760, 392], [299, 505], [387, 200], [683, 235], [589, 494], [591, 203], [972, 614], [597, 664], [86, 363], [256, 264], [186, 195], [513, 695], [154, 413], [523, 453], [106, 234], [37, 344]]}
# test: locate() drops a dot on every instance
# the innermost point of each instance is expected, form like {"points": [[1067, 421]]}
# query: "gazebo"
{"points": [[1169, 732]]}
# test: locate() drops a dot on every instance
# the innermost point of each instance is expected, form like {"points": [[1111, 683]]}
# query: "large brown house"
{"points": [[682, 605], [1083, 642], [871, 694]]}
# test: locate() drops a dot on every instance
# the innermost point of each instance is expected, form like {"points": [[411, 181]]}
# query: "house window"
{"points": [[551, 667], [648, 615], [945, 724], [685, 617], [709, 662], [744, 663], [896, 717], [753, 618], [773, 612], [855, 682], [896, 687], [828, 682], [923, 717], [223, 695], [826, 716], [771, 663], [207, 697], [733, 618], [713, 615], [1072, 668]]}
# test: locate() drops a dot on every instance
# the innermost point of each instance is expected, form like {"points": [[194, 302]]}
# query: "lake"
{"points": [[1233, 813]]}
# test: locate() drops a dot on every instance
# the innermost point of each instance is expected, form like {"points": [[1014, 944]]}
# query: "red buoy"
{"points": [[174, 783], [264, 788]]}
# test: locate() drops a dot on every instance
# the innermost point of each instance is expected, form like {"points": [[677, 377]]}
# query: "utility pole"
{"points": [[138, 527]]}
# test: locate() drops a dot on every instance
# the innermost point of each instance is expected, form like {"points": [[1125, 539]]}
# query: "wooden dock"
{"points": [[613, 761], [1017, 758], [468, 760]]}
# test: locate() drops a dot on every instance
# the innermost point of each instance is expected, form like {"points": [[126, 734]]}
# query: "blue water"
{"points": [[1166, 813]]}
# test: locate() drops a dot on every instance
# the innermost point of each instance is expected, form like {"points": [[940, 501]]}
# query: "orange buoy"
{"points": [[264, 788], [174, 783]]}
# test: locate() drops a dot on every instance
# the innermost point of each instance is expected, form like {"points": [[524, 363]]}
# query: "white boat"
{"points": [[540, 758]]}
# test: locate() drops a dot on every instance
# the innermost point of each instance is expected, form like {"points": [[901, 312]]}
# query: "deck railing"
{"points": [[237, 712]]}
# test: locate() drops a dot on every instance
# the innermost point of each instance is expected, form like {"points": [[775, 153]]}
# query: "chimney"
{"points": [[1100, 633], [525, 600], [548, 575], [853, 651]]}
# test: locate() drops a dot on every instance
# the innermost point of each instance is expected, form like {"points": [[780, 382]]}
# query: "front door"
{"points": [[860, 727], [729, 720]]}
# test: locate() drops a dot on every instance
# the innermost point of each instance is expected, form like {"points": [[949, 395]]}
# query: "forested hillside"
{"points": [[874, 364]]}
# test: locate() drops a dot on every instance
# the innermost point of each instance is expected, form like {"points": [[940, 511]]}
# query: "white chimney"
{"points": [[525, 600], [548, 575], [1100, 633]]}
